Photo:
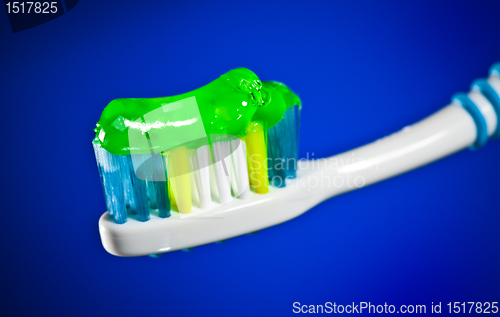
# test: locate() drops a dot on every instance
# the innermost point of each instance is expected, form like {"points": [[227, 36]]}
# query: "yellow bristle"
{"points": [[180, 179], [171, 197], [257, 158]]}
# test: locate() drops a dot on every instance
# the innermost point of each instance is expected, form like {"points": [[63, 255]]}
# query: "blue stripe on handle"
{"points": [[485, 88], [482, 130], [495, 70]]}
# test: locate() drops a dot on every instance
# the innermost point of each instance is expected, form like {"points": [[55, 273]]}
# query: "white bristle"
{"points": [[239, 173], [221, 151], [213, 184], [195, 196], [201, 175]]}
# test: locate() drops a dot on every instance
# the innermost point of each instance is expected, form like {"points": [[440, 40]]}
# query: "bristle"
{"points": [[151, 190], [201, 174], [257, 158], [180, 179], [195, 199], [214, 191], [135, 161], [239, 170], [221, 150], [171, 197], [282, 148], [158, 181], [111, 180], [128, 188], [162, 199]]}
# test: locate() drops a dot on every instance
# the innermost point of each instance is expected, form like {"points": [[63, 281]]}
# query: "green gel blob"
{"points": [[277, 99], [223, 107]]}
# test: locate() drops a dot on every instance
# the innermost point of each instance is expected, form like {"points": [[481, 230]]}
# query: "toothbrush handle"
{"points": [[445, 132]]}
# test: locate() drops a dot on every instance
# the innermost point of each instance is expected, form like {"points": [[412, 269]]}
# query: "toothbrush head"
{"points": [[169, 164]]}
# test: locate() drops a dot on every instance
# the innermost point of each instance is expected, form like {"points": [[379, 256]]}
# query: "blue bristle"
{"points": [[131, 188], [282, 148], [111, 180], [139, 191], [159, 176], [128, 188], [151, 189], [162, 198]]}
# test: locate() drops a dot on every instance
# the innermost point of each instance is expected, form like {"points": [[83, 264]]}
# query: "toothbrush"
{"points": [[199, 194]]}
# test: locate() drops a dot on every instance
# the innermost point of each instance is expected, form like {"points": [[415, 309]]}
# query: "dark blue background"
{"points": [[363, 69]]}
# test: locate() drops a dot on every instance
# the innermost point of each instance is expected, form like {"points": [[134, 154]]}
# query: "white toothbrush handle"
{"points": [[447, 131], [443, 133]]}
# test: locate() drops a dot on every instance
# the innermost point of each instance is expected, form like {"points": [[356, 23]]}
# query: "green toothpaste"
{"points": [[225, 106]]}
